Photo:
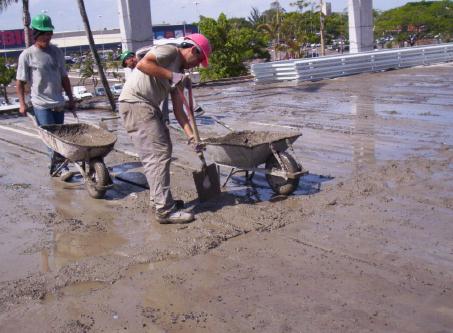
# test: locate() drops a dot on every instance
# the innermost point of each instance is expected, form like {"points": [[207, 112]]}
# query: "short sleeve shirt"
{"points": [[141, 87], [44, 70]]}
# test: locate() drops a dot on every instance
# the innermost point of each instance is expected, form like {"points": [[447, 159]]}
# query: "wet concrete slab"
{"points": [[363, 244]]}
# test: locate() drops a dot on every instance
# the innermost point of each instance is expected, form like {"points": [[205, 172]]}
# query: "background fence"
{"points": [[335, 66]]}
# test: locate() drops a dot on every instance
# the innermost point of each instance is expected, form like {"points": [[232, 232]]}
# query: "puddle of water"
{"points": [[70, 247], [75, 290]]}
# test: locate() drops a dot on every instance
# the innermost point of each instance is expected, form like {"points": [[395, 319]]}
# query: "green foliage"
{"points": [[7, 74], [87, 70], [336, 25], [232, 46], [425, 18]]}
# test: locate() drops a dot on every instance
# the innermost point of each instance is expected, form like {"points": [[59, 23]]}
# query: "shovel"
{"points": [[207, 180]]}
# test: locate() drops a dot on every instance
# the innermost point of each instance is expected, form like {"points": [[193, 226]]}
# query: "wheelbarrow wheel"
{"points": [[100, 178], [278, 184]]}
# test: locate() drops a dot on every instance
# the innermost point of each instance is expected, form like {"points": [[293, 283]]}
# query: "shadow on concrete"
{"points": [[241, 191]]}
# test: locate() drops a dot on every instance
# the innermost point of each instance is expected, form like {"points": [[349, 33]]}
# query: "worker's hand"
{"points": [[71, 105], [198, 147], [23, 110], [177, 78]]}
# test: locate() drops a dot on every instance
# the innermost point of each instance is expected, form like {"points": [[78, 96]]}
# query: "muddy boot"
{"points": [[175, 217], [179, 204]]}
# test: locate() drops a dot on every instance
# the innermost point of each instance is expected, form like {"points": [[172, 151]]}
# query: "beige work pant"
{"points": [[151, 138]]}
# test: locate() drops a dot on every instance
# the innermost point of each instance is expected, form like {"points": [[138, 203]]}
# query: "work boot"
{"points": [[175, 217], [179, 204]]}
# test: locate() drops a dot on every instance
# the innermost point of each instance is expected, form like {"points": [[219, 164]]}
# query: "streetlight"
{"points": [[102, 38], [196, 3], [183, 22]]}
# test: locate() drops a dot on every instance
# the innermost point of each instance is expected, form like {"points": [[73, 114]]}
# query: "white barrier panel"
{"points": [[336, 66]]}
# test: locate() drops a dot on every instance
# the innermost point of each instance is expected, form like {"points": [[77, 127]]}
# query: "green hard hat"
{"points": [[126, 54], [42, 22]]}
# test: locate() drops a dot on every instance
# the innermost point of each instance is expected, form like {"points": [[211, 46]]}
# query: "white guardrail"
{"points": [[335, 66]]}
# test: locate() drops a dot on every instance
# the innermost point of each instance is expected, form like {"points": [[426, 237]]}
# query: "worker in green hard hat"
{"points": [[43, 67], [128, 59]]}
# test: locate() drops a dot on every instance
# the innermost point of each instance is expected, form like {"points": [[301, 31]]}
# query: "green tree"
{"points": [[293, 33], [87, 71], [424, 19], [256, 18], [7, 74], [93, 49], [232, 47], [301, 4]]}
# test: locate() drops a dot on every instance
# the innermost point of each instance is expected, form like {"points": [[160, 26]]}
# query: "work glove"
{"points": [[177, 78], [198, 147]]}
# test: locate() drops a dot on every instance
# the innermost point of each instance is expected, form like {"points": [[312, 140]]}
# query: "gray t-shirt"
{"points": [[43, 69], [141, 87]]}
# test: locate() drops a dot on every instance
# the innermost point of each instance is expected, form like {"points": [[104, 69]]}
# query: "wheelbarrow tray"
{"points": [[78, 142], [247, 149]]}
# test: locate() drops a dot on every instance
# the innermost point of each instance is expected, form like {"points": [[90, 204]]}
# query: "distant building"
{"points": [[12, 42]]}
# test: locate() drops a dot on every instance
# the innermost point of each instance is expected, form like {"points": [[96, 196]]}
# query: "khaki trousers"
{"points": [[151, 138]]}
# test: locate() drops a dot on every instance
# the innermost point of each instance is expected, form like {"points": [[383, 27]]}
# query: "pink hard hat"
{"points": [[203, 43]]}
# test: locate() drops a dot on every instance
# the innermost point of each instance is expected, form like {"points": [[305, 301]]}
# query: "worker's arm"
{"points": [[67, 88], [178, 110], [148, 65], [20, 91]]}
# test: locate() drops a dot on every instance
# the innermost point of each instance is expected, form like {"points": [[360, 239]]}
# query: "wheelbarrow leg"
{"points": [[249, 177], [61, 166], [232, 171]]}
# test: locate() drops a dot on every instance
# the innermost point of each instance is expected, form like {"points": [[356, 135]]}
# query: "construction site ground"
{"points": [[365, 244]]}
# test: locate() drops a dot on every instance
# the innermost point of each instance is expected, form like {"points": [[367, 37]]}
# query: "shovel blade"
{"points": [[207, 183]]}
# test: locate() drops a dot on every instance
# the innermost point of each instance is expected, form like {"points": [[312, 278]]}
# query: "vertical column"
{"points": [[135, 23], [361, 37]]}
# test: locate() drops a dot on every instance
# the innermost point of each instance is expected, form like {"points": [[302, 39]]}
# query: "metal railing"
{"points": [[336, 66]]}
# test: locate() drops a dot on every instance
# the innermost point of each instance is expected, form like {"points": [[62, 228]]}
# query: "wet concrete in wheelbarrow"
{"points": [[82, 134], [365, 244], [248, 138]]}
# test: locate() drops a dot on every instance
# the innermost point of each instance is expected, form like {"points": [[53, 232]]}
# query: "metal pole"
{"points": [[278, 33], [321, 21], [64, 40], [4, 48]]}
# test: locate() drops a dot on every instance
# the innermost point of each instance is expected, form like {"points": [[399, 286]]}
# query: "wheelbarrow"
{"points": [[245, 151], [84, 145]]}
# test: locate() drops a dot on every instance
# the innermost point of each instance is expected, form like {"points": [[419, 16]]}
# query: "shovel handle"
{"points": [[191, 116], [196, 134]]}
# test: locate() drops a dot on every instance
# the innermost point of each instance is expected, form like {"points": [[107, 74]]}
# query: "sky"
{"points": [[104, 13]]}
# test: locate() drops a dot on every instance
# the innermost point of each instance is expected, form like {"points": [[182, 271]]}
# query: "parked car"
{"points": [[116, 89], [81, 92], [99, 91]]}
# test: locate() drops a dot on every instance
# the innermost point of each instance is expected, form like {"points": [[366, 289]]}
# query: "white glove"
{"points": [[176, 78]]}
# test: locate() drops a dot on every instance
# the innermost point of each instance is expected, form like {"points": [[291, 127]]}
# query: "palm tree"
{"points": [[255, 17], [25, 16], [272, 29], [104, 81], [26, 22], [5, 3]]}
